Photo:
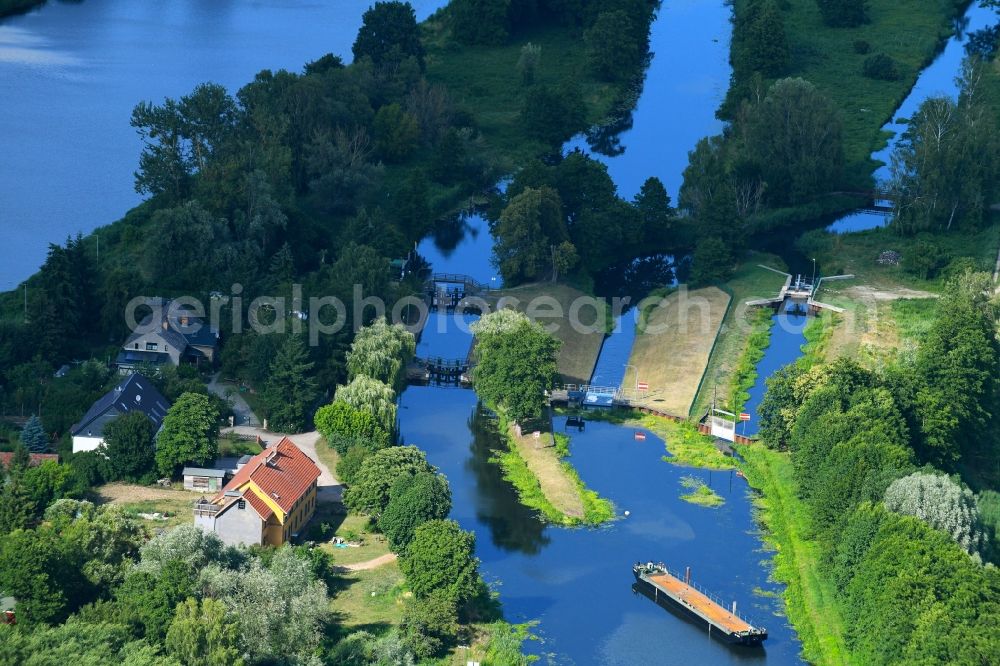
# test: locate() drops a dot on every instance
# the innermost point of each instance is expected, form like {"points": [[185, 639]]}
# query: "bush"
{"points": [[881, 67], [923, 259], [862, 47]]}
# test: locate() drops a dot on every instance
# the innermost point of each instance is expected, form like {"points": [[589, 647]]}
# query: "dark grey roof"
{"points": [[177, 326], [134, 393], [244, 459], [202, 471], [197, 333], [136, 356]]}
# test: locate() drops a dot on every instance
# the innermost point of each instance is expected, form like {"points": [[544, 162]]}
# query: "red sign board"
{"points": [[642, 386], [744, 416], [640, 436]]}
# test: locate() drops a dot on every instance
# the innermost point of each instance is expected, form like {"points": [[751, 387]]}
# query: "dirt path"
{"points": [[329, 489], [558, 488], [368, 564], [867, 293]]}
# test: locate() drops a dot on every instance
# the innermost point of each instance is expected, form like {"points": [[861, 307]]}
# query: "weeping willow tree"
{"points": [[381, 351], [373, 396]]}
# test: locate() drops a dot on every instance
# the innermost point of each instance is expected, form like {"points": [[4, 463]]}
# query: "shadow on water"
{"points": [[513, 526], [578, 582]]}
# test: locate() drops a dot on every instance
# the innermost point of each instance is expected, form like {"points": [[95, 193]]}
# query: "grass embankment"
{"points": [[809, 595], [552, 305], [686, 446], [886, 307], [546, 482], [486, 82], [745, 373], [700, 493], [673, 345], [909, 31], [749, 282]]}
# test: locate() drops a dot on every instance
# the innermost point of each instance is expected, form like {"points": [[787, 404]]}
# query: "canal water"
{"points": [[787, 339], [577, 583], [938, 78], [71, 72]]}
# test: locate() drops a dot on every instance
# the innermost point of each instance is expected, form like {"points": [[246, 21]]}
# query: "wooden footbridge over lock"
{"points": [[455, 292], [450, 292]]}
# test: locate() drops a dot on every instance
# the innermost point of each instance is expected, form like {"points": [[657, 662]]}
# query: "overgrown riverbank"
{"points": [[546, 481], [808, 595], [685, 445]]}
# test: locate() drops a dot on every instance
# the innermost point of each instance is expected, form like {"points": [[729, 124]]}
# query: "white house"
{"points": [[135, 393]]}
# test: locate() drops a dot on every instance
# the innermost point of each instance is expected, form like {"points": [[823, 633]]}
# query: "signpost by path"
{"points": [[744, 417], [642, 386]]}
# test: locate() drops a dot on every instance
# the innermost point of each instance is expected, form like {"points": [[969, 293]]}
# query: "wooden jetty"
{"points": [[668, 588]]}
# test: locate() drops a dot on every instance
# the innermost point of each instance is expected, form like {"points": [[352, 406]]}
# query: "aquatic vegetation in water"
{"points": [[700, 493]]}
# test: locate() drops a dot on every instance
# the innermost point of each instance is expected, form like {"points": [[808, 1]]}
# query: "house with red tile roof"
{"points": [[269, 499], [34, 458]]}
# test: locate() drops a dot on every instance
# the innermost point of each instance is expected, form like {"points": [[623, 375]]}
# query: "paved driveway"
{"points": [[243, 415], [328, 488]]}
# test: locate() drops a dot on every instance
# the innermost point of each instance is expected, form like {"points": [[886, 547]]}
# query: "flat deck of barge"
{"points": [[684, 594]]}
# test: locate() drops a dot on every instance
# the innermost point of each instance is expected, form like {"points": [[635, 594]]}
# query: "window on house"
{"points": [[150, 346], [136, 345], [242, 504]]}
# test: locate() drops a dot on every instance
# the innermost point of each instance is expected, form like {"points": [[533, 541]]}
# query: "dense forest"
{"points": [[884, 461], [323, 178], [319, 178]]}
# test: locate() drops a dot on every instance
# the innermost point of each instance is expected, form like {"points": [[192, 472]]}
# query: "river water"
{"points": [[936, 79], [577, 583], [99, 57], [71, 72]]}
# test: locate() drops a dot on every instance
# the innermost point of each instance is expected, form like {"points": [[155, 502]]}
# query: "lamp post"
{"points": [[811, 284]]}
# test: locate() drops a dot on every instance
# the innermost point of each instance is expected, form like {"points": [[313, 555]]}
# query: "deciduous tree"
{"points": [[516, 363], [413, 500], [370, 492], [189, 435], [128, 443], [388, 34], [201, 635], [441, 559]]}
